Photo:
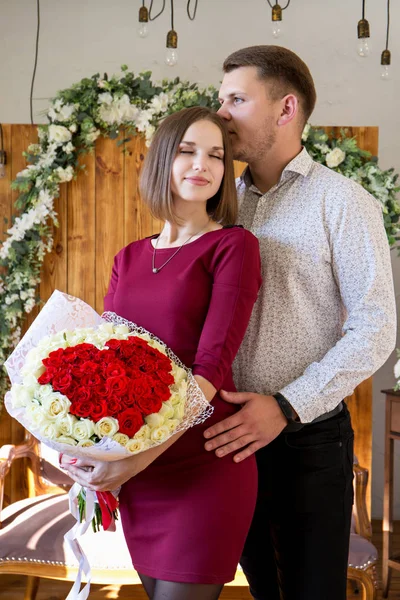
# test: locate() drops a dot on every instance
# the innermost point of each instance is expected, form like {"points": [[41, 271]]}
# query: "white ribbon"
{"points": [[71, 537]]}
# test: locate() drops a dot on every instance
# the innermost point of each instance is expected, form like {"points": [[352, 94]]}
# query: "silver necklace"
{"points": [[153, 263]]}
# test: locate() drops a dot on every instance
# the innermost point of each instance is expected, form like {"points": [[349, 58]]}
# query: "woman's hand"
{"points": [[99, 475]]}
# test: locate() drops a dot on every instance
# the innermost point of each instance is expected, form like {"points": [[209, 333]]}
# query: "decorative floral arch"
{"points": [[101, 106]]}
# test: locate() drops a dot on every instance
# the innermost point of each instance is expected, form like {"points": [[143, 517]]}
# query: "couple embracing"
{"points": [[280, 288]]}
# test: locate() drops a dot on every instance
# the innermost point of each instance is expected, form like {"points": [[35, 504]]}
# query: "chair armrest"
{"points": [[9, 453], [363, 523]]}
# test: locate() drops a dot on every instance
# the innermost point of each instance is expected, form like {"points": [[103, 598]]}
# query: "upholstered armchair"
{"points": [[32, 530]]}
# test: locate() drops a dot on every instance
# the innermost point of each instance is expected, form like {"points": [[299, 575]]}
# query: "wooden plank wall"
{"points": [[101, 212]]}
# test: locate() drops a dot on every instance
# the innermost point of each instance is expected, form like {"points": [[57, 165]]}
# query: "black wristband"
{"points": [[285, 407]]}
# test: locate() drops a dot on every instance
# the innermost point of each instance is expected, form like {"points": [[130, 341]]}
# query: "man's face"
{"points": [[250, 113]]}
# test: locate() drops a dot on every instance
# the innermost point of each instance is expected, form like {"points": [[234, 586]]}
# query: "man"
{"points": [[324, 321]]}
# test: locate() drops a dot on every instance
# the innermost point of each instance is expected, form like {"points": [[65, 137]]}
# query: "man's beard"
{"points": [[260, 147]]}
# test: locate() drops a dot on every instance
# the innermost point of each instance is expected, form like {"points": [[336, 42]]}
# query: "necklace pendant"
{"points": [[155, 270]]}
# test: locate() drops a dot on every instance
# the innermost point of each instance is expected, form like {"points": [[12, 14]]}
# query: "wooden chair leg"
{"points": [[32, 586], [367, 580]]}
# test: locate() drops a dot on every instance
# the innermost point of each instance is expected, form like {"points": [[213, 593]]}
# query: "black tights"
{"points": [[157, 589]]}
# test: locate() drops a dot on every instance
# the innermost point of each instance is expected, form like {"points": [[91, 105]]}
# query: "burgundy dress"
{"points": [[186, 516]]}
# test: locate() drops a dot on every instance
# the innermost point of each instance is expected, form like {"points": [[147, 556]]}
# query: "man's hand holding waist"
{"points": [[259, 421]]}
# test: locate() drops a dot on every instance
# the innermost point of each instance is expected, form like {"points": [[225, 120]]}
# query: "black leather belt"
{"points": [[296, 426]]}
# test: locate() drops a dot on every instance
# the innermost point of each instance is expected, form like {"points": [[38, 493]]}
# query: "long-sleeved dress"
{"points": [[186, 516]]}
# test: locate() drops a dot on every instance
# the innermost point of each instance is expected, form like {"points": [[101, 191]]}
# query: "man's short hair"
{"points": [[282, 68]]}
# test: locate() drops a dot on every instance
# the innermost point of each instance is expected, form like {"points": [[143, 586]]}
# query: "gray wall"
{"points": [[82, 37]]}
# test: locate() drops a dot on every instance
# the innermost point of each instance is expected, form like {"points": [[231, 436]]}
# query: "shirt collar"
{"points": [[300, 164]]}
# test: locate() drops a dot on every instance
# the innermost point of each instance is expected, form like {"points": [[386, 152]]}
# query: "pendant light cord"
{"points": [[36, 59]]}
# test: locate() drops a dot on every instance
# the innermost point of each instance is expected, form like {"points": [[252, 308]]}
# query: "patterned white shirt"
{"points": [[325, 318]]}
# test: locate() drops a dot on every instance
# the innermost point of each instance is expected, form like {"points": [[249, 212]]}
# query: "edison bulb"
{"points": [[385, 72], [363, 47], [143, 29], [277, 29], [171, 57]]}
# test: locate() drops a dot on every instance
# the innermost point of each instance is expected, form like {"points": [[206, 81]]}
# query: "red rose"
{"points": [[91, 380], [114, 369], [149, 405], [130, 421], [82, 408], [47, 376], [165, 377], [99, 410], [62, 382], [162, 392], [139, 387], [81, 394], [114, 406], [118, 385]]}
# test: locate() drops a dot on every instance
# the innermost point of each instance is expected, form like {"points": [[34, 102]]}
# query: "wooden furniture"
{"points": [[390, 559], [32, 530]]}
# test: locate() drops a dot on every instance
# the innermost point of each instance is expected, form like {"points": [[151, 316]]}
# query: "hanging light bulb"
{"points": [[385, 56], [363, 42], [385, 65], [277, 29], [171, 56], [143, 29]]}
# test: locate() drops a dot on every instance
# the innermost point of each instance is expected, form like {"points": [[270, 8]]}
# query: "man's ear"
{"points": [[289, 109]]}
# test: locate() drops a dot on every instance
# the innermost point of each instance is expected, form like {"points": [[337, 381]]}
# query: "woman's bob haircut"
{"points": [[155, 180]]}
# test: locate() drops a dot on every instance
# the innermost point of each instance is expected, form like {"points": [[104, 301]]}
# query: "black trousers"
{"points": [[297, 546]]}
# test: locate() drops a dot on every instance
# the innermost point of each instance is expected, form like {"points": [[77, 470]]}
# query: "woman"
{"points": [[185, 515]]}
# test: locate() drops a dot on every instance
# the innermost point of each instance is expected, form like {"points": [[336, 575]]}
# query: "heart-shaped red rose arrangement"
{"points": [[128, 380]]}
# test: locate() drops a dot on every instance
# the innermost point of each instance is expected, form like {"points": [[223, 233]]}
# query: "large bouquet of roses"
{"points": [[98, 387]]}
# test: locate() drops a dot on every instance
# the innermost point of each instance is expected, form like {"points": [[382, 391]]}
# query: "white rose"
{"points": [[65, 424], [66, 439], [121, 330], [54, 405], [135, 446], [154, 420], [166, 410], [73, 127], [59, 134], [160, 434], [83, 429], [172, 424], [93, 135], [49, 430], [143, 433], [35, 415], [397, 369], [22, 395], [121, 438], [306, 131], [335, 157], [107, 426], [65, 112], [179, 411], [64, 174], [68, 148], [85, 443], [105, 98]]}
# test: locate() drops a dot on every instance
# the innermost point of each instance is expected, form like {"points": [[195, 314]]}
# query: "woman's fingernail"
{"points": [[73, 461]]}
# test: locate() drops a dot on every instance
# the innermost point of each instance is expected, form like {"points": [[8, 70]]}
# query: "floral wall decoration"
{"points": [[103, 106]]}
